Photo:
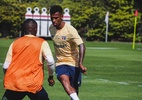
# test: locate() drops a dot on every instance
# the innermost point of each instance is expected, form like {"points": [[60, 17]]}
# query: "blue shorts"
{"points": [[73, 72]]}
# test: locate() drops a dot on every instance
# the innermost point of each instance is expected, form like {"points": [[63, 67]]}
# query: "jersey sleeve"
{"points": [[49, 58], [47, 53], [8, 58], [75, 36], [9, 54]]}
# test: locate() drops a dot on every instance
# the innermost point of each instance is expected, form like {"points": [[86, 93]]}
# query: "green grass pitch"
{"points": [[114, 72]]}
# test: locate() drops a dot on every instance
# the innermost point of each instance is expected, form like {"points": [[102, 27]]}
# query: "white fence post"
{"points": [[44, 23], [29, 13], [43, 20], [66, 16], [36, 17]]}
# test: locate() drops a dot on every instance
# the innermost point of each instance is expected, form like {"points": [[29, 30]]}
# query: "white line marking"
{"points": [[101, 48], [125, 83], [109, 81], [1, 64], [140, 85], [139, 48]]}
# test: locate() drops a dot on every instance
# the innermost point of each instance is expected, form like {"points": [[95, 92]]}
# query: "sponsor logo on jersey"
{"points": [[63, 37]]}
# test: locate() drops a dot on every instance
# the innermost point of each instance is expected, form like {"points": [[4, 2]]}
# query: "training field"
{"points": [[114, 72]]}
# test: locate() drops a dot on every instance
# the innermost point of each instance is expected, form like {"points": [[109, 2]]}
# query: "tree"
{"points": [[87, 16], [12, 13], [121, 19], [10, 16]]}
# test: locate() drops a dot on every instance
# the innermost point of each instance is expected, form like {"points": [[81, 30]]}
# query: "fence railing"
{"points": [[43, 19]]}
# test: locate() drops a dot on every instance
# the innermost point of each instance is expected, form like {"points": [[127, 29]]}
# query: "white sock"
{"points": [[74, 96]]}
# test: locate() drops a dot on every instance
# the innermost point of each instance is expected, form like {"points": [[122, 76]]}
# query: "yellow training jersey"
{"points": [[66, 41]]}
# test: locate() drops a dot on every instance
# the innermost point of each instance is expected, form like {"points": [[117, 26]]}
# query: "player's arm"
{"points": [[51, 66], [77, 39], [5, 66], [50, 62], [81, 57], [7, 59]]}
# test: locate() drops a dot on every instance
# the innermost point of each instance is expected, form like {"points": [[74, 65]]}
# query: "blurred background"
{"points": [[87, 16]]}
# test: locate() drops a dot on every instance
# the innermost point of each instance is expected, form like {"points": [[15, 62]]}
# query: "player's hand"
{"points": [[51, 81], [83, 69]]}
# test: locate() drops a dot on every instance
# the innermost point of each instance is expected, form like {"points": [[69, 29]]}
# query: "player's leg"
{"points": [[77, 80], [64, 79], [13, 95], [41, 95], [64, 76]]}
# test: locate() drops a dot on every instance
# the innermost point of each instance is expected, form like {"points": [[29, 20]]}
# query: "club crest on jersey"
{"points": [[63, 37]]}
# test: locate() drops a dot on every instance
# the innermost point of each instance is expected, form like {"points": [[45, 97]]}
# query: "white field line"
{"points": [[105, 80], [93, 81], [109, 81], [139, 48], [101, 48], [106, 48], [1, 64], [140, 85], [102, 80]]}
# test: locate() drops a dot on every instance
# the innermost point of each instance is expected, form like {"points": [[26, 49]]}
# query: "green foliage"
{"points": [[122, 21], [90, 16], [12, 13], [87, 16]]}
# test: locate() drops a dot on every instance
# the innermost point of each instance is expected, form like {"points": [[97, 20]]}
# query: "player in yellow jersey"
{"points": [[23, 66], [69, 59]]}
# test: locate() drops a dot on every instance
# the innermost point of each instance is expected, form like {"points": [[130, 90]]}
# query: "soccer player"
{"points": [[69, 64], [23, 66]]}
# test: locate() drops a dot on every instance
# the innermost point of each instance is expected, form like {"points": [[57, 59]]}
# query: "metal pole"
{"points": [[106, 32], [106, 20], [134, 35]]}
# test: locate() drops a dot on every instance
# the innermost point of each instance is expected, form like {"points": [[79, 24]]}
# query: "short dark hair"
{"points": [[56, 8], [26, 24], [27, 21]]}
